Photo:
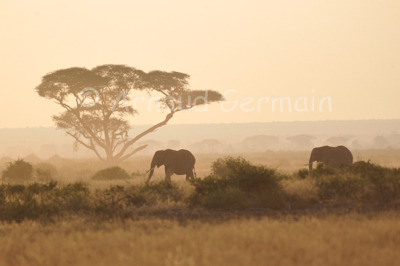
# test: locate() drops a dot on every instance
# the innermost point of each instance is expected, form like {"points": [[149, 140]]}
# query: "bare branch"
{"points": [[133, 152], [88, 130], [95, 151], [144, 133], [78, 140], [91, 146]]}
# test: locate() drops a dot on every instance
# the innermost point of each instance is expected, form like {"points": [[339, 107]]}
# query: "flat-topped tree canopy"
{"points": [[102, 125]]}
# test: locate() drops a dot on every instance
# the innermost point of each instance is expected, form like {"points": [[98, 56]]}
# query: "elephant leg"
{"points": [[168, 173]]}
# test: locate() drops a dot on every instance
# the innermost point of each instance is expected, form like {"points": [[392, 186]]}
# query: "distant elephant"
{"points": [[176, 162], [332, 156]]}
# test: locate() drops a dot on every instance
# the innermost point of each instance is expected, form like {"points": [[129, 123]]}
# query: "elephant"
{"points": [[179, 162], [332, 156]]}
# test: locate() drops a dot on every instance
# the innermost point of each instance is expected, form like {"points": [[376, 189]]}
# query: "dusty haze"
{"points": [[222, 139], [294, 74]]}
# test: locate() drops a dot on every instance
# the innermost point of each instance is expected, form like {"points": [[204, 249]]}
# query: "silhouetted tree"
{"points": [[259, 143], [208, 146], [102, 124], [302, 141], [394, 139], [380, 142], [173, 144], [338, 140], [18, 170]]}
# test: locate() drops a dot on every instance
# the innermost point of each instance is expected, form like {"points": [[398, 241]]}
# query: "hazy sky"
{"points": [[346, 50]]}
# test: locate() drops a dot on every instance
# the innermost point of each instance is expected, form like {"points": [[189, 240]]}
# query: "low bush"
{"points": [[42, 201], [323, 170], [119, 201], [18, 171], [302, 173], [45, 172], [50, 201], [342, 187], [137, 174], [112, 173], [236, 183], [363, 182], [233, 184]]}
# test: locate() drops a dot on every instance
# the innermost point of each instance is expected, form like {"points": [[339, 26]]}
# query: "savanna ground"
{"points": [[240, 213]]}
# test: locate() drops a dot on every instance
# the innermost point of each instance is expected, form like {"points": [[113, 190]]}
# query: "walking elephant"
{"points": [[175, 162], [332, 156]]}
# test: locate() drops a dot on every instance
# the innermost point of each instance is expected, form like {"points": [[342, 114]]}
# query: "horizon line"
{"points": [[237, 123]]}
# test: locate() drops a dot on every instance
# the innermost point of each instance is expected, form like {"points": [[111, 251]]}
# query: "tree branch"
{"points": [[144, 133], [78, 140], [91, 147], [82, 123], [133, 152], [95, 151]]}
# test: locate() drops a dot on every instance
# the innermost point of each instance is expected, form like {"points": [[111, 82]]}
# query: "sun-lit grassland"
{"points": [[315, 219], [351, 239]]}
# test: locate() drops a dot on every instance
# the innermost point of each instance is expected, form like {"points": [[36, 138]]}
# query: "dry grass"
{"points": [[332, 240], [308, 239]]}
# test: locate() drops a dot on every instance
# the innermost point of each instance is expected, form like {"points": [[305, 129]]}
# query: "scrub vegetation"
{"points": [[238, 212]]}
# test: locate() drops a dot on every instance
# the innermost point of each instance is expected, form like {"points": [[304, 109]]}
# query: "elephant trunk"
{"points": [[151, 173], [152, 166]]}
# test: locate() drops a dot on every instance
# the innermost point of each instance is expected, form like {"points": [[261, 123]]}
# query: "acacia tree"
{"points": [[95, 115]]}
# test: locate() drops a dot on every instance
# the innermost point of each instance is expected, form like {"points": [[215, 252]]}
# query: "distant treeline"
{"points": [[219, 138]]}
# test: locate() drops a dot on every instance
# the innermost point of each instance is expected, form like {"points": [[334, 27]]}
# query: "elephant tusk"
{"points": [[151, 169]]}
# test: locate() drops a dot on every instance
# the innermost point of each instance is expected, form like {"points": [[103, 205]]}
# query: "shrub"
{"points": [[119, 201], [112, 173], [229, 197], [384, 182], [18, 171], [113, 202], [43, 201], [363, 182], [303, 173], [235, 183], [322, 170], [163, 190], [342, 187], [368, 169], [74, 197], [137, 174], [45, 172]]}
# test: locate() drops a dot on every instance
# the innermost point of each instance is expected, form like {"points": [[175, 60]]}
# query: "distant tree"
{"points": [[97, 118], [355, 144], [208, 146], [173, 144], [260, 143], [338, 140], [394, 139], [302, 141], [18, 171], [380, 142], [45, 172]]}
